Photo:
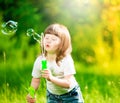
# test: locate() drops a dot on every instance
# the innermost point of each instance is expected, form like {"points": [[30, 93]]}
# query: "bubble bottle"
{"points": [[44, 63]]}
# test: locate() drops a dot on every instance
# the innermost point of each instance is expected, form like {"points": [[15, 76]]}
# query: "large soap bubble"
{"points": [[36, 36], [9, 27]]}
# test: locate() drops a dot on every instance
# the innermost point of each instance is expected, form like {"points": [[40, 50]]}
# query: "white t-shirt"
{"points": [[66, 68]]}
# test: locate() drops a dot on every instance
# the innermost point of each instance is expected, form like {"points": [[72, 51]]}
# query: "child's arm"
{"points": [[34, 86], [35, 83], [64, 82]]}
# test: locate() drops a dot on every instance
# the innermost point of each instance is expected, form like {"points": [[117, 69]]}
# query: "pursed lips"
{"points": [[47, 45]]}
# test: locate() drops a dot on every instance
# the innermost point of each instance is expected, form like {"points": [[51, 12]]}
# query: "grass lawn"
{"points": [[96, 88]]}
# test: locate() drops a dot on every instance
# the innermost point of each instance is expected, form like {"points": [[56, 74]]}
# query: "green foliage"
{"points": [[88, 31]]}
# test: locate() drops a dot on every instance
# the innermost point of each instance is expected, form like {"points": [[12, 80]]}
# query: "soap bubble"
{"points": [[9, 27], [30, 32], [36, 36]]}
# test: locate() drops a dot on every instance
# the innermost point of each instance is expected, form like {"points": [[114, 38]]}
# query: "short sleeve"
{"points": [[37, 68], [68, 65]]}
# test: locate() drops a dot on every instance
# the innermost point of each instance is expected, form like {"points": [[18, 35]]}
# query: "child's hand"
{"points": [[46, 74], [30, 99]]}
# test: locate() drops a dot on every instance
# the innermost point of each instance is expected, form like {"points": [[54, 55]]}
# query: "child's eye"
{"points": [[46, 38], [54, 39]]}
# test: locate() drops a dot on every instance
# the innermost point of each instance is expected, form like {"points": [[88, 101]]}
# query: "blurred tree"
{"points": [[110, 17], [94, 25]]}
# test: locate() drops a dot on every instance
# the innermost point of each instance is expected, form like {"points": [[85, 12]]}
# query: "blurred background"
{"points": [[94, 28]]}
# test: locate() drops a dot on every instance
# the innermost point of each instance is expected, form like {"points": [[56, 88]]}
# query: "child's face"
{"points": [[51, 43]]}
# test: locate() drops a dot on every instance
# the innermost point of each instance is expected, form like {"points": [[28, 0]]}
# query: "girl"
{"points": [[62, 86]]}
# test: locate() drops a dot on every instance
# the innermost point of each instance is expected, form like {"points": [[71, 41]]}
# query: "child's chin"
{"points": [[48, 50]]}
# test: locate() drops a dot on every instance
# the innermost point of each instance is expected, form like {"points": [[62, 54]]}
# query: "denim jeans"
{"points": [[74, 96]]}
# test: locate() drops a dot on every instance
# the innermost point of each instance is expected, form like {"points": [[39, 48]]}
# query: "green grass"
{"points": [[96, 88], [99, 88]]}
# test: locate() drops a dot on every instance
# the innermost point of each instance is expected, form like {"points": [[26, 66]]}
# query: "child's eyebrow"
{"points": [[56, 34]]}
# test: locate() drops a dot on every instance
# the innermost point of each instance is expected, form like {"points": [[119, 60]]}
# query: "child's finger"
{"points": [[30, 99], [44, 71]]}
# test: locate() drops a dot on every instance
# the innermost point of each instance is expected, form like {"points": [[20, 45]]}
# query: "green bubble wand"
{"points": [[31, 91], [39, 39], [43, 61]]}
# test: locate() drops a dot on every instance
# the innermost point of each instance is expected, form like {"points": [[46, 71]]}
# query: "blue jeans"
{"points": [[74, 96]]}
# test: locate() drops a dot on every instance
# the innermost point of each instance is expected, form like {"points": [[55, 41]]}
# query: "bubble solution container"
{"points": [[44, 64]]}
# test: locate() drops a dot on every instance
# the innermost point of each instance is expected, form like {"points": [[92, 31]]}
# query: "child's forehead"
{"points": [[51, 35]]}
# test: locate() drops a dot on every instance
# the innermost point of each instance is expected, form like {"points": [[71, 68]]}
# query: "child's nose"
{"points": [[49, 40]]}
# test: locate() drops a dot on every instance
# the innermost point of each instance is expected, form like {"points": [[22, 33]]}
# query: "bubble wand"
{"points": [[31, 91], [39, 39], [43, 61]]}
